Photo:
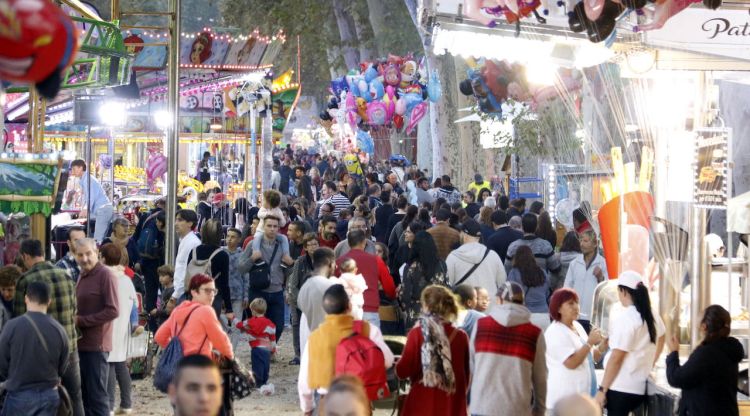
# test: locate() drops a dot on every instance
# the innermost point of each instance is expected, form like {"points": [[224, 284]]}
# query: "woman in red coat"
{"points": [[440, 387]]}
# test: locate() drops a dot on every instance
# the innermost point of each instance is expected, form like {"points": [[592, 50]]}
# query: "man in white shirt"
{"points": [[473, 263], [322, 346], [185, 222], [585, 272]]}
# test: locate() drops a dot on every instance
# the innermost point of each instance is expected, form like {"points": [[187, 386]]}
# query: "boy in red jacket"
{"points": [[262, 334]]}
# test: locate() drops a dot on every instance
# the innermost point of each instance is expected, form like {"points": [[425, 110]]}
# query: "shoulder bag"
{"points": [[466, 276], [65, 408]]}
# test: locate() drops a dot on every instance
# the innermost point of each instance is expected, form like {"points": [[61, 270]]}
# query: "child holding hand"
{"points": [[262, 334]]}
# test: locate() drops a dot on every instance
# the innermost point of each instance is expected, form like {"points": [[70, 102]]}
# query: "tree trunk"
{"points": [[365, 39], [347, 34], [444, 138], [377, 21]]}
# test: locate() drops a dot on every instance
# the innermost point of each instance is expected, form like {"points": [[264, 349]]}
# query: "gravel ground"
{"points": [[149, 401]]}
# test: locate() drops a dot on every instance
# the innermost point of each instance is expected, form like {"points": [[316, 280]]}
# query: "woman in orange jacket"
{"points": [[202, 331]]}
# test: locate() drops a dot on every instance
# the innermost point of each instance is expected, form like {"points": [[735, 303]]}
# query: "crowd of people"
{"points": [[494, 307]]}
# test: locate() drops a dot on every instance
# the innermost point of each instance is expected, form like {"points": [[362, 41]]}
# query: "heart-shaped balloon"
{"points": [[398, 121], [418, 113]]}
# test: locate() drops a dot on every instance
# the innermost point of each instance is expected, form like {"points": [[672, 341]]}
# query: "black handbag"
{"points": [[260, 273], [241, 380]]}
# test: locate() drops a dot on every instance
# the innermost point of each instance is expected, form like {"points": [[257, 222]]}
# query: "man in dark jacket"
{"points": [[304, 186], [287, 175], [33, 356], [503, 235]]}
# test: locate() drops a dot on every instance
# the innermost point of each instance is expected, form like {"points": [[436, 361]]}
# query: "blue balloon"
{"points": [[412, 99], [376, 89], [338, 85], [365, 142], [371, 73]]}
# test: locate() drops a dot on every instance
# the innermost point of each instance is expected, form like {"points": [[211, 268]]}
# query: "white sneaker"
{"points": [[267, 389]]}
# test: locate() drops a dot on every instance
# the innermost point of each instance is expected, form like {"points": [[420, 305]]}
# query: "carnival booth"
{"points": [[628, 117]]}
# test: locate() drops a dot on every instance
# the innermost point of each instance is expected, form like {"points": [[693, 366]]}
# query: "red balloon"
{"points": [[398, 122], [37, 37]]}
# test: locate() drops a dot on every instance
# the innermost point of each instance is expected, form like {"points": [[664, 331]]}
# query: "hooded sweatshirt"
{"points": [[708, 379], [508, 364], [490, 274]]}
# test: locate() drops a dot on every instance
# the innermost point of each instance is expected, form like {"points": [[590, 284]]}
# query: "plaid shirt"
{"points": [[69, 263], [62, 296]]}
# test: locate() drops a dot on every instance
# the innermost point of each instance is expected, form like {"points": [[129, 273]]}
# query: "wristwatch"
{"points": [[601, 389]]}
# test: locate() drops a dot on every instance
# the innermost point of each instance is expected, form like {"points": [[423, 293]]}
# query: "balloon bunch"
{"points": [[488, 11], [598, 18], [493, 83], [388, 92], [39, 42]]}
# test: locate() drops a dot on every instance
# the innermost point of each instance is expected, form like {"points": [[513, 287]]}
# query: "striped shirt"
{"points": [[339, 201], [62, 295]]}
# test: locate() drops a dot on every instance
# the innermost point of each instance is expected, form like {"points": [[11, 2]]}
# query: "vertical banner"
{"points": [[711, 169]]}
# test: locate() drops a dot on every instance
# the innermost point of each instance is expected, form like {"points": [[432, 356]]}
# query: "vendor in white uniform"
{"points": [[636, 340], [96, 205]]}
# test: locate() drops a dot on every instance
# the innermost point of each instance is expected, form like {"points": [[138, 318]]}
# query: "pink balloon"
{"points": [[389, 99], [156, 166], [419, 111], [400, 106]]}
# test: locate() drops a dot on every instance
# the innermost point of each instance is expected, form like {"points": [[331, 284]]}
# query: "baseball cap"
{"points": [[629, 279], [471, 228]]}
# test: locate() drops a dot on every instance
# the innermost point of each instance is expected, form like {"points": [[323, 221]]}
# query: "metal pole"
{"points": [[253, 156], [173, 131], [700, 289]]}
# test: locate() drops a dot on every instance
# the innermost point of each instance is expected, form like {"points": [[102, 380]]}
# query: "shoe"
{"points": [[124, 411], [294, 361], [273, 357], [267, 389], [136, 332]]}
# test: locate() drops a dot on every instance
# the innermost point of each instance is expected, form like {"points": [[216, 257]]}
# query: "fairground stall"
{"points": [[634, 119]]}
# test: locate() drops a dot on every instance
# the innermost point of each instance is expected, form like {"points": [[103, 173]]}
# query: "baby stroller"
{"points": [[398, 388]]}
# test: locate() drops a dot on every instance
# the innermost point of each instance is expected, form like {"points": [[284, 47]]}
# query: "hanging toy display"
{"points": [[493, 83], [392, 92], [39, 42]]}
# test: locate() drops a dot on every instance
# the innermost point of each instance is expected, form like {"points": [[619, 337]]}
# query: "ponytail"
{"points": [[642, 304]]}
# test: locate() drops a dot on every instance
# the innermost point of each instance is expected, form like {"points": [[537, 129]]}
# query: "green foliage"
{"points": [[548, 132]]}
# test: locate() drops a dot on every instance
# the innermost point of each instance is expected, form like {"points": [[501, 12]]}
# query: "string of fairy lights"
{"points": [[207, 31]]}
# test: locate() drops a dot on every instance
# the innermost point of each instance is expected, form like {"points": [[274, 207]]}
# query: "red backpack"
{"points": [[359, 356]]}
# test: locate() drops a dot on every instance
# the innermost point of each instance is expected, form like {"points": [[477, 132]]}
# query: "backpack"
{"points": [[359, 356], [149, 245], [196, 266], [167, 366]]}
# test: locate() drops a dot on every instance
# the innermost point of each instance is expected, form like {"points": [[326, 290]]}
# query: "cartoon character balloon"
{"points": [[39, 42]]}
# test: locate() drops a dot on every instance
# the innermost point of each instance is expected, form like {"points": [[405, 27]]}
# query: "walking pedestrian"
{"points": [[436, 358], [62, 309], [98, 306], [33, 356], [506, 342], [636, 342], [119, 373]]}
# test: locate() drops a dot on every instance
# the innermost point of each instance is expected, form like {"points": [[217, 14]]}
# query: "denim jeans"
{"points": [[31, 402], [260, 362], [372, 317], [94, 375], [119, 374], [71, 380], [275, 310], [102, 217]]}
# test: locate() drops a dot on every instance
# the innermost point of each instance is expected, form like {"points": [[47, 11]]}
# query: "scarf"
{"points": [[437, 370]]}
